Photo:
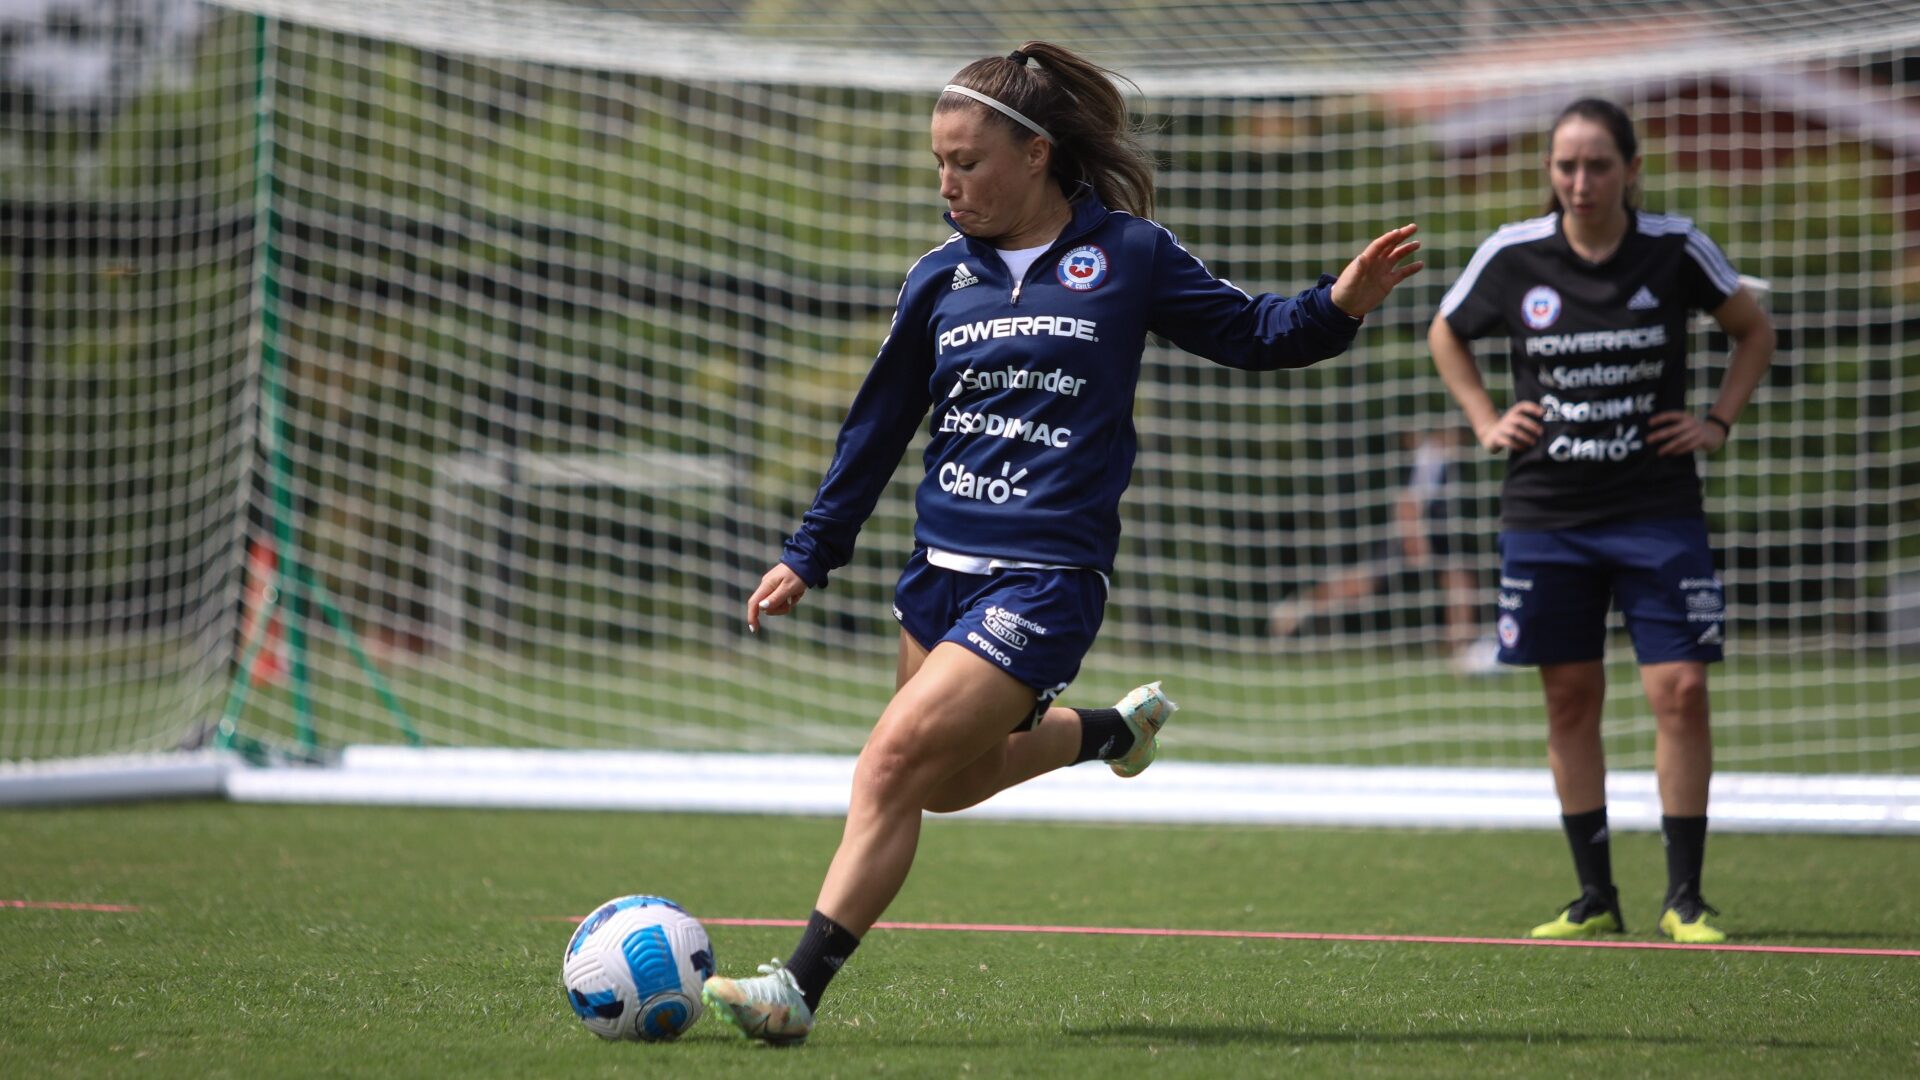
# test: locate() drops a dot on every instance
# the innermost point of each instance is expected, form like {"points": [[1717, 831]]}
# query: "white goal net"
{"points": [[379, 371]]}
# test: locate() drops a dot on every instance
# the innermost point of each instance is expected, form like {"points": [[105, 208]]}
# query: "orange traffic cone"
{"points": [[269, 664]]}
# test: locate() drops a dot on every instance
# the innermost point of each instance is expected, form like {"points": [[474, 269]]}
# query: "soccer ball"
{"points": [[633, 969]]}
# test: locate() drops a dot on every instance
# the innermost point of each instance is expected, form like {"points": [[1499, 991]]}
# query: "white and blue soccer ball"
{"points": [[634, 969]]}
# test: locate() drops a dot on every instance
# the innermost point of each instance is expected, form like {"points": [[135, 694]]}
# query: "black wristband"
{"points": [[1724, 426]]}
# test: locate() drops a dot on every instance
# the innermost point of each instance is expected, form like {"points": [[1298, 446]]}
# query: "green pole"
{"points": [[290, 577], [293, 574], [340, 625], [294, 585]]}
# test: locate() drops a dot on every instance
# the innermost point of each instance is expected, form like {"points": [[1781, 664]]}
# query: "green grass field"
{"points": [[1812, 711], [282, 941]]}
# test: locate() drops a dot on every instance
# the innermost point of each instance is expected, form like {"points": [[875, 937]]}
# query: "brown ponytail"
{"points": [[1075, 100]]}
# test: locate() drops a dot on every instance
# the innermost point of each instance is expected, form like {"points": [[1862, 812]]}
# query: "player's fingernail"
{"points": [[765, 604]]}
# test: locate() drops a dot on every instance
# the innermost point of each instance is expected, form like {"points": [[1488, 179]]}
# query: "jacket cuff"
{"points": [[805, 565], [1323, 292]]}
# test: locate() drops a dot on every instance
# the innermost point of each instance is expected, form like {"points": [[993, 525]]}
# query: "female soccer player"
{"points": [[1023, 332], [1602, 501]]}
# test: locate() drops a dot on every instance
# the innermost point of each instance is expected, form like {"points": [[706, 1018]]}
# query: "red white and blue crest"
{"points": [[1540, 307], [1083, 268]]}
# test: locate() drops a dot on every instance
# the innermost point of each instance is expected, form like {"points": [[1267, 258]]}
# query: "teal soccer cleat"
{"points": [[768, 1007], [1146, 709]]}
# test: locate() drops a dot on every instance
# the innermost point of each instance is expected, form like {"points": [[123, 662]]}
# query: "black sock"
{"points": [[1685, 839], [1592, 850], [824, 946], [1103, 735]]}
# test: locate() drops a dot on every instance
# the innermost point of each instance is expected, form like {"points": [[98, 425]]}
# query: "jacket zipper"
{"points": [[1020, 282]]}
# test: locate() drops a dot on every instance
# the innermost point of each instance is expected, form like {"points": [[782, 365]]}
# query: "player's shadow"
{"points": [[1221, 1034]]}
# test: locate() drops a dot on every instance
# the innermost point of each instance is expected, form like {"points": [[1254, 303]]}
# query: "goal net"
{"points": [[446, 371]]}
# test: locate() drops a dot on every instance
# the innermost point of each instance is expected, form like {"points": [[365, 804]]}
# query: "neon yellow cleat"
{"points": [[768, 1007], [1685, 921], [1146, 709], [1591, 916]]}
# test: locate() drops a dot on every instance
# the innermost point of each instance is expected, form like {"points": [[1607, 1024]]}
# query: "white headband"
{"points": [[1005, 109]]}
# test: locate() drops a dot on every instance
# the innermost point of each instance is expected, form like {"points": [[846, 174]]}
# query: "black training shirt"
{"points": [[1602, 347]]}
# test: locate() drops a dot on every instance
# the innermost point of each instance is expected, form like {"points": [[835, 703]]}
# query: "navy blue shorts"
{"points": [[1556, 587], [1035, 625]]}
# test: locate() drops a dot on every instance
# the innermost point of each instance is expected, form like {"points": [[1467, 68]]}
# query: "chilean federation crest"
{"points": [[1540, 307], [1083, 268]]}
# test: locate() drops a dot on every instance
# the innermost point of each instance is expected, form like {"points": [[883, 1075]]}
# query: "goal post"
{"points": [[564, 304]]}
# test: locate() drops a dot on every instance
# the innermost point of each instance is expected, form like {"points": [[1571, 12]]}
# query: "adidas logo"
{"points": [[1642, 300], [1713, 636], [963, 277], [1599, 837]]}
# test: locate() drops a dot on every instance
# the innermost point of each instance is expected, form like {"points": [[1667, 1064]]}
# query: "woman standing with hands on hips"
{"points": [[1023, 333], [1602, 503]]}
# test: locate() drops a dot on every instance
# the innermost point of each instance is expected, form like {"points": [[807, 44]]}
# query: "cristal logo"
{"points": [[1014, 618], [1000, 626], [1703, 600], [1011, 626], [957, 479]]}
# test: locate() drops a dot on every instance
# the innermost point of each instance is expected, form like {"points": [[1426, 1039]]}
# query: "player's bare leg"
{"points": [[954, 708], [943, 743], [1052, 743], [1683, 745], [1683, 763], [1019, 757], [1576, 693], [951, 708], [1336, 595]]}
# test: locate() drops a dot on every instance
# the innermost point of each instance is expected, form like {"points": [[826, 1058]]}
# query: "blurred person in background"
{"points": [[1602, 505], [1428, 537]]}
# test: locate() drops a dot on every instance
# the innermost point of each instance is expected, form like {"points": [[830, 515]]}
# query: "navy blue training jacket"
{"points": [[1031, 384]]}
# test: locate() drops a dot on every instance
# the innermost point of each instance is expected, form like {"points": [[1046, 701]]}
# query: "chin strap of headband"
{"points": [[1004, 109]]}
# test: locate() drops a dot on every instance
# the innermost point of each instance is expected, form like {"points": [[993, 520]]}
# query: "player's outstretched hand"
{"points": [[1517, 428], [1679, 432], [780, 590], [1374, 272]]}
